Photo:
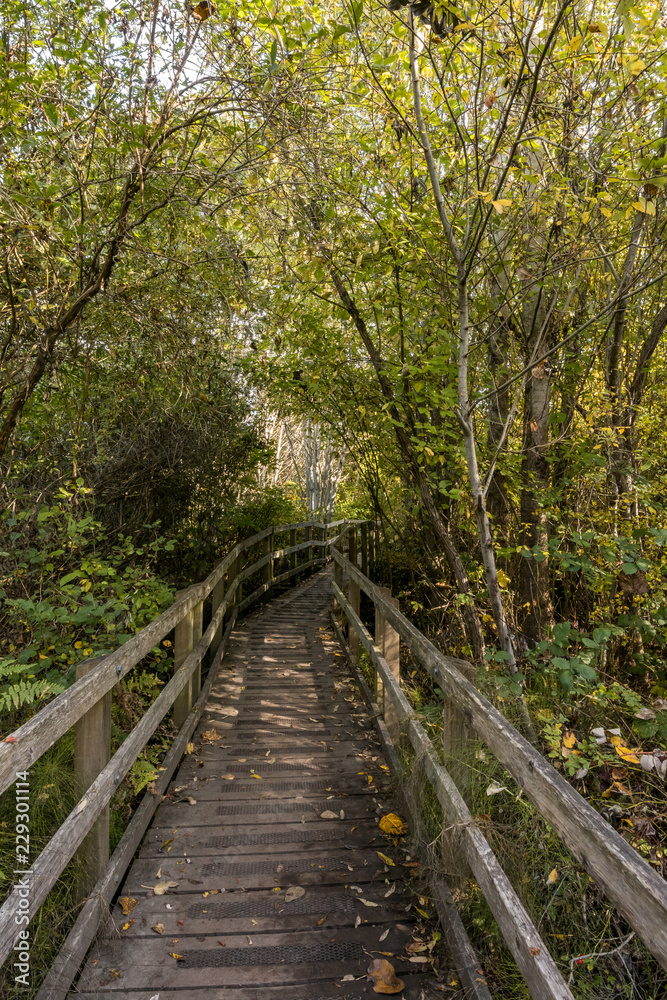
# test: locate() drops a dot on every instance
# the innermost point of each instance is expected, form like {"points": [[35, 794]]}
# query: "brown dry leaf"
{"points": [[616, 787], [367, 902], [392, 825], [202, 12], [535, 951], [619, 773], [161, 887], [127, 904], [328, 814], [383, 976], [210, 735], [228, 777], [294, 892], [158, 928]]}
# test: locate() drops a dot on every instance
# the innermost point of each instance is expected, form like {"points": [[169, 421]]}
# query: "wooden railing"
{"points": [[86, 705], [637, 892]]}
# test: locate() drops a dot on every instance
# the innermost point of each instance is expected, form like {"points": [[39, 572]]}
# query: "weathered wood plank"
{"points": [[638, 892]]}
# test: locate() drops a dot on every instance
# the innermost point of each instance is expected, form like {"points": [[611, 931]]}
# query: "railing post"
{"points": [[455, 738], [388, 641], [92, 752], [353, 591], [364, 548], [267, 571], [308, 535], [217, 595], [372, 529], [292, 555], [183, 645]]}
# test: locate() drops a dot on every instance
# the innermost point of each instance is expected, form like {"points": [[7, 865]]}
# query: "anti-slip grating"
{"points": [[233, 909], [276, 867], [273, 955], [291, 837], [287, 786], [240, 808], [268, 768]]}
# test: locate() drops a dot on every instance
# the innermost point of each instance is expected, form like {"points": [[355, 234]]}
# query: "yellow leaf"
{"points": [[189, 748], [386, 860], [422, 913], [503, 579], [569, 739], [392, 825], [127, 904], [553, 875], [78, 645], [179, 958], [605, 211], [626, 754]]}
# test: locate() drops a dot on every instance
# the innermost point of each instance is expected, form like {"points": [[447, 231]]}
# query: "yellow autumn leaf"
{"points": [[386, 860], [422, 913], [392, 825], [179, 958], [569, 739], [553, 875], [503, 579], [626, 754], [189, 748]]}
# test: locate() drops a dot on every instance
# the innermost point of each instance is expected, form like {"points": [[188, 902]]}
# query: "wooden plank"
{"points": [[61, 975], [637, 892], [521, 936], [92, 750]]}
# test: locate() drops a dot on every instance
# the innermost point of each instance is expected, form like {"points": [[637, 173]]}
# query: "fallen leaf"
{"points": [[193, 802], [645, 713], [418, 958], [11, 739], [367, 902], [625, 753], [553, 875], [569, 739], [389, 892], [210, 735], [383, 976], [393, 826], [158, 928], [384, 934], [494, 788], [129, 923], [161, 887], [189, 748], [535, 951], [357, 921], [228, 777], [127, 904], [386, 860], [179, 958], [328, 814], [294, 892]]}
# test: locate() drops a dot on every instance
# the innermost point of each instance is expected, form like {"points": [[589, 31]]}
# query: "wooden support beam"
{"points": [[364, 548], [308, 534], [354, 593], [92, 752], [388, 642], [217, 595], [268, 547], [292, 542], [183, 645]]}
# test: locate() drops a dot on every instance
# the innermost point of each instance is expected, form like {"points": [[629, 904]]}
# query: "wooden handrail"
{"points": [[33, 739], [627, 880]]}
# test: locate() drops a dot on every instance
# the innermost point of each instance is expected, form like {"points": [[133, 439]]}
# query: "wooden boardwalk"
{"points": [[279, 798]]}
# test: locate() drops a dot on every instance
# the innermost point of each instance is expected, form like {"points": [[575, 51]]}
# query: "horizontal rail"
{"points": [[627, 880], [529, 950]]}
